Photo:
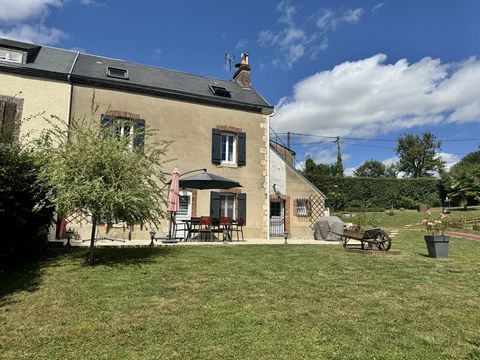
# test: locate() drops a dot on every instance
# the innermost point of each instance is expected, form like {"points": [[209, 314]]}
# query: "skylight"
{"points": [[220, 91], [117, 73]]}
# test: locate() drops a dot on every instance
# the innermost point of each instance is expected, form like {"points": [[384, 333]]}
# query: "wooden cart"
{"points": [[372, 237]]}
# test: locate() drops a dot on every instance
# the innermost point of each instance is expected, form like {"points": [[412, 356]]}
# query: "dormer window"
{"points": [[220, 91], [117, 73], [13, 56]]}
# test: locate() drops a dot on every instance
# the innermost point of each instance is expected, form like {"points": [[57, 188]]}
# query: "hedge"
{"points": [[355, 192]]}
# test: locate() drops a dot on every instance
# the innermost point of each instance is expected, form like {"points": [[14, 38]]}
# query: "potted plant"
{"points": [[436, 240]]}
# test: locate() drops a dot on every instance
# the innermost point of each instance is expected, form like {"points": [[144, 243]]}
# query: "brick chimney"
{"points": [[242, 74]]}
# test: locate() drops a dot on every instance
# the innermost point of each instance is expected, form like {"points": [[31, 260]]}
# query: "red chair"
{"points": [[226, 225], [205, 227], [238, 227]]}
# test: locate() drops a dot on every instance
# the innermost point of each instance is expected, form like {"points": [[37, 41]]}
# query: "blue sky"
{"points": [[355, 69]]}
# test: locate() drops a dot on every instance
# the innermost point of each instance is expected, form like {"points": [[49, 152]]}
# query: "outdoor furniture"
{"points": [[205, 227], [237, 226], [226, 228], [179, 226], [192, 226]]}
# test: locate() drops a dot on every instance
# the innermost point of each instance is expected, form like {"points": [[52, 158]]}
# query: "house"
{"points": [[295, 203], [219, 125]]}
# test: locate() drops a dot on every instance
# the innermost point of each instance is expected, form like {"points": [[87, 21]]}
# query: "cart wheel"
{"points": [[383, 241]]}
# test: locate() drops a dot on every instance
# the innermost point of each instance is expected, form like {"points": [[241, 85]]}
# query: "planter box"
{"points": [[437, 246]]}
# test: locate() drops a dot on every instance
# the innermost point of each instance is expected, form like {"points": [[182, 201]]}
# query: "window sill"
{"points": [[228, 164]]}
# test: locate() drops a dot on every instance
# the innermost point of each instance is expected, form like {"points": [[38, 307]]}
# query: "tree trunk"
{"points": [[91, 251]]}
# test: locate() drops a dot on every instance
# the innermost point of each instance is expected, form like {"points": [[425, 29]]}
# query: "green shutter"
{"points": [[216, 146], [215, 205], [242, 149], [242, 206]]}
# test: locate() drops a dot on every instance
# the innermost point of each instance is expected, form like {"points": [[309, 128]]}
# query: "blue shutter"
{"points": [[216, 146], [242, 149]]}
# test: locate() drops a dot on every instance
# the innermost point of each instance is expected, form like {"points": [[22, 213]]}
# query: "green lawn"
{"points": [[245, 302]]}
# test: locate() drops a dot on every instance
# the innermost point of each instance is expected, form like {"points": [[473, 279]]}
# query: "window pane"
{"points": [[230, 148], [224, 148], [183, 211]]}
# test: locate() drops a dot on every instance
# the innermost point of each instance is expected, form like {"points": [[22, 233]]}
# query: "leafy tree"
{"points": [[312, 169], [94, 172], [418, 155], [371, 168], [469, 165], [339, 164], [462, 187]]}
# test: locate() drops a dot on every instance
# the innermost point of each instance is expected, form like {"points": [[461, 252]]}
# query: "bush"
{"points": [[379, 192], [407, 202], [25, 215]]}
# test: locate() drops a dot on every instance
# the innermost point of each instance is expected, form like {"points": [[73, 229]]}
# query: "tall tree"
{"points": [[371, 168], [470, 165], [418, 155], [339, 164], [313, 169], [95, 172]]}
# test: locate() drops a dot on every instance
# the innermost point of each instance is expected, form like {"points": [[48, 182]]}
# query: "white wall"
{"points": [[277, 174]]}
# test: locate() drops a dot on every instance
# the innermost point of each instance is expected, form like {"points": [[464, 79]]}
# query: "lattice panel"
{"points": [[317, 208], [79, 219]]}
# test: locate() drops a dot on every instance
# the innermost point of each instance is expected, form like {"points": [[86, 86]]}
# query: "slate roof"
{"points": [[91, 70]]}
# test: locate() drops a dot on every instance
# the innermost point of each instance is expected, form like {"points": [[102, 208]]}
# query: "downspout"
{"points": [[268, 173], [69, 80]]}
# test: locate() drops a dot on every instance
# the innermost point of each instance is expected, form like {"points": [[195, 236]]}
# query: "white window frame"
{"points": [[223, 208], [123, 131], [189, 209], [7, 55], [302, 207], [233, 160]]}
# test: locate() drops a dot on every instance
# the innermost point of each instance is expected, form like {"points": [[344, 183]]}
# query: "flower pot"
{"points": [[437, 246]]}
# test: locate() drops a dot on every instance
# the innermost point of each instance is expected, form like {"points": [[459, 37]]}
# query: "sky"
{"points": [[365, 71]]}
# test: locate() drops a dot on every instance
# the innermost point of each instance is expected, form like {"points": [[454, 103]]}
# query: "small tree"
{"points": [[371, 168], [418, 155], [94, 171]]}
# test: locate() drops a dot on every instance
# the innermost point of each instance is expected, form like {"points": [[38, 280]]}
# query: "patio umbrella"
{"points": [[173, 199], [206, 180]]}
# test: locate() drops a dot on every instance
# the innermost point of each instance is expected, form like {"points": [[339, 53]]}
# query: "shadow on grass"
{"points": [[129, 256], [27, 275]]}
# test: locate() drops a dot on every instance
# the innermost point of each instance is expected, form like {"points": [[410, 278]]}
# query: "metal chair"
{"points": [[205, 227], [238, 227], [226, 225]]}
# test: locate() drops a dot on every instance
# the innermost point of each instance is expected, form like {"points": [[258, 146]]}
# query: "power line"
{"points": [[369, 139]]}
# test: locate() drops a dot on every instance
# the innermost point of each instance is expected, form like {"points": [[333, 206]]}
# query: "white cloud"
{"points": [[92, 3], [241, 44], [20, 10], [369, 97], [450, 159], [295, 39], [348, 171], [377, 7], [24, 20], [38, 34], [330, 20]]}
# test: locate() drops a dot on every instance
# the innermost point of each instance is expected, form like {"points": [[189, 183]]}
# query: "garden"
{"points": [[262, 302]]}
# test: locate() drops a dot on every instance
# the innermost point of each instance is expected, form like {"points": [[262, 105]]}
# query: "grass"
{"points": [[412, 218], [244, 302]]}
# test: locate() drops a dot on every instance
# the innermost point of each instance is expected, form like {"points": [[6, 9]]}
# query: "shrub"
{"points": [[407, 202], [25, 215]]}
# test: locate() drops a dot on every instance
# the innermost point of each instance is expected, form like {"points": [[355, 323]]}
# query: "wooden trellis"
{"points": [[317, 208]]}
